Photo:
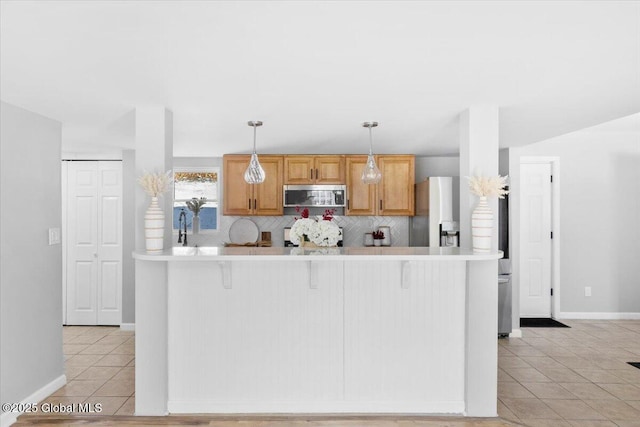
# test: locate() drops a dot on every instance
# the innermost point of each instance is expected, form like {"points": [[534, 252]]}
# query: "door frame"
{"points": [[554, 162]]}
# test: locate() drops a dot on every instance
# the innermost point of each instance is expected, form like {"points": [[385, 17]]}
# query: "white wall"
{"points": [[31, 270], [599, 219]]}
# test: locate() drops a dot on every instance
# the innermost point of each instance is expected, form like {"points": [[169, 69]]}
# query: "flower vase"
{"points": [[377, 242], [482, 226], [195, 225], [154, 227]]}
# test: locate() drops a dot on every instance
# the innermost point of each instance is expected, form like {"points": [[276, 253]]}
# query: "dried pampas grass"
{"points": [[488, 186], [154, 184]]}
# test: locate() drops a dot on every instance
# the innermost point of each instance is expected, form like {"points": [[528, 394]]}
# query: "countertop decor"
{"points": [[319, 231], [482, 215], [154, 184]]}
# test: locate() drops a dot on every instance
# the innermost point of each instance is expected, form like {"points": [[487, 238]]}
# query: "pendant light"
{"points": [[371, 174], [254, 173]]}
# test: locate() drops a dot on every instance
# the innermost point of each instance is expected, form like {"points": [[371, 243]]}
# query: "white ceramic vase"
{"points": [[195, 225], [154, 227], [482, 226]]}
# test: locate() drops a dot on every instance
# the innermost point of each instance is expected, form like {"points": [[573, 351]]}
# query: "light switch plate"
{"points": [[54, 236]]}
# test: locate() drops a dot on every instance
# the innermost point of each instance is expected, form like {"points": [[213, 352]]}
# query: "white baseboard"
{"points": [[128, 326], [8, 418], [598, 316], [516, 333]]}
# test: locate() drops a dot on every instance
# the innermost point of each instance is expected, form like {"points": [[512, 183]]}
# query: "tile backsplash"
{"points": [[354, 228]]}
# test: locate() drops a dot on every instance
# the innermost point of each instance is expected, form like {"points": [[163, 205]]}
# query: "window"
{"points": [[199, 183]]}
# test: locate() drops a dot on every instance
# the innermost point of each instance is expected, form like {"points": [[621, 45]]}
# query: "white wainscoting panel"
{"points": [[318, 336], [268, 341], [384, 318]]}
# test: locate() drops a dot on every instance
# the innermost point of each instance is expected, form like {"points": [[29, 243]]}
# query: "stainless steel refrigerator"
{"points": [[437, 212]]}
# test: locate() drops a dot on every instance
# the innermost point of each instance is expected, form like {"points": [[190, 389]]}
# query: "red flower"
{"points": [[303, 214], [328, 214]]}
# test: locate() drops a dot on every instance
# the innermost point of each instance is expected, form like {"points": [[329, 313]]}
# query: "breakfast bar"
{"points": [[375, 330]]}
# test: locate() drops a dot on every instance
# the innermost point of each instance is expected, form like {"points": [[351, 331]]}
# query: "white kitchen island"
{"points": [[348, 330]]}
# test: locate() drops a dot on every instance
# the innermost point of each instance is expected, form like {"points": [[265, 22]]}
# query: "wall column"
{"points": [[154, 153], [479, 156], [479, 134]]}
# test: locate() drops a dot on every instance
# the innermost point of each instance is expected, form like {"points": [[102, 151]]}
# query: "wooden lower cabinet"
{"points": [[243, 199], [392, 196]]}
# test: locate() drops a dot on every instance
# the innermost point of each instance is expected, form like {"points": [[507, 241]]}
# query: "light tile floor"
{"points": [[571, 377], [100, 368], [551, 377]]}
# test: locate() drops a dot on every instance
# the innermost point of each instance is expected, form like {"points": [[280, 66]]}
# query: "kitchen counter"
{"points": [[382, 253], [323, 330]]}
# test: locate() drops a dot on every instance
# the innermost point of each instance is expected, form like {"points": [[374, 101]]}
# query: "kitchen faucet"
{"points": [[182, 219]]}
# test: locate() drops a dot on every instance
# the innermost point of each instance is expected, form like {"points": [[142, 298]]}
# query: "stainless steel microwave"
{"points": [[324, 196]]}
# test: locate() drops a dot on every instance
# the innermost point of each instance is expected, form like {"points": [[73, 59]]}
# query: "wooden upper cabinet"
{"points": [[238, 195], [268, 195], [329, 170], [299, 170], [361, 197], [243, 199], [392, 196], [396, 190]]}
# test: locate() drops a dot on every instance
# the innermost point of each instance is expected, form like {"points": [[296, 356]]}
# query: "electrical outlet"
{"points": [[587, 291], [54, 236]]}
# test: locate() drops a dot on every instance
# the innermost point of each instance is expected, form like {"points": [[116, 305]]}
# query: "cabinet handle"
{"points": [[348, 204], [380, 204], [254, 204], [310, 173], [316, 173], [249, 204]]}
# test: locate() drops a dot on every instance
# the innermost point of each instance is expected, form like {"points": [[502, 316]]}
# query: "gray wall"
{"points": [[437, 166], [599, 218], [129, 233], [30, 269]]}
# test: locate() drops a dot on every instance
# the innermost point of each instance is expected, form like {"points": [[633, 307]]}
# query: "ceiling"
{"points": [[313, 71]]}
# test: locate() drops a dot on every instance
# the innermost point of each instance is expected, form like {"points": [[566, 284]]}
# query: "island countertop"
{"points": [[383, 253]]}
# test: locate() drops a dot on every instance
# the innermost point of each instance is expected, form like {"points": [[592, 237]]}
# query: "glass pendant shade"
{"points": [[254, 173], [371, 174]]}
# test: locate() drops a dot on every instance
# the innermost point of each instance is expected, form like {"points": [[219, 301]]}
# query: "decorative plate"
{"points": [[243, 230]]}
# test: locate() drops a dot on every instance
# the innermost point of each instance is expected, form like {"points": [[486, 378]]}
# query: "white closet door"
{"points": [[535, 235], [82, 243], [109, 292], [94, 243]]}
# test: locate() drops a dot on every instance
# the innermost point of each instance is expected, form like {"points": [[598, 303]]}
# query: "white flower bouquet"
{"points": [[488, 186], [322, 232], [154, 184]]}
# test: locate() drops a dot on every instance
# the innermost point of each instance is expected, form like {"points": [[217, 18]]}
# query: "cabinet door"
{"points": [[361, 197], [238, 195], [329, 170], [396, 190], [298, 170], [268, 195]]}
